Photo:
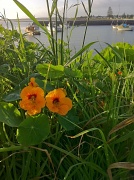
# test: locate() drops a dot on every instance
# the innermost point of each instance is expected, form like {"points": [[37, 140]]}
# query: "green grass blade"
{"points": [[28, 13], [79, 53], [108, 64]]}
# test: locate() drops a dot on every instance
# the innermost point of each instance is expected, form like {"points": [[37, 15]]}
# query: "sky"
{"points": [[39, 9]]}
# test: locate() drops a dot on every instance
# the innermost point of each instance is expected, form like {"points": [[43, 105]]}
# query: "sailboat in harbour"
{"points": [[54, 26]]}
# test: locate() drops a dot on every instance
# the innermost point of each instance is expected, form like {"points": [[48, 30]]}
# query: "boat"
{"points": [[32, 30], [124, 27], [65, 25], [55, 27], [115, 26]]}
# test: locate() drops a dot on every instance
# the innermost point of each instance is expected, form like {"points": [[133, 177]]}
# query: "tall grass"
{"points": [[95, 139]]}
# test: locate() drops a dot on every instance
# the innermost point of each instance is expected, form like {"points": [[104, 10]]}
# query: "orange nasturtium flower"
{"points": [[119, 73], [57, 102], [32, 98]]}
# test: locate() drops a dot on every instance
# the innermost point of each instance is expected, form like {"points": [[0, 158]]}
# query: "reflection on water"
{"points": [[75, 37]]}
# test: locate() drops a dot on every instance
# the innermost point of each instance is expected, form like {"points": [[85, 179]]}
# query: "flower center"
{"points": [[56, 100], [32, 97]]}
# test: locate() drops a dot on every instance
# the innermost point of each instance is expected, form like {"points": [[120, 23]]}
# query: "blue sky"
{"points": [[38, 7]]}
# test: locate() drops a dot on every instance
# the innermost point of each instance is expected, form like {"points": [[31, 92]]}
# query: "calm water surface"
{"points": [[94, 33]]}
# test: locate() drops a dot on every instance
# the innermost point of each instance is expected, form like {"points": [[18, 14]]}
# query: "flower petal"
{"points": [[63, 110], [32, 82], [32, 98], [66, 101], [57, 102]]}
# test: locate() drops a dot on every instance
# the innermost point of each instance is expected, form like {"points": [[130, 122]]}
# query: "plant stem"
{"points": [[11, 148]]}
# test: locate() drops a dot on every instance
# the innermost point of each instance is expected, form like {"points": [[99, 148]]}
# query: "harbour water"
{"points": [[100, 33]]}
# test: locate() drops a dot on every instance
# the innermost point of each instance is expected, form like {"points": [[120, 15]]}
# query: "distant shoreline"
{"points": [[92, 22], [101, 22], [82, 21]]}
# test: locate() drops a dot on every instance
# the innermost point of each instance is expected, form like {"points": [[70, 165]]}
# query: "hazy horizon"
{"points": [[39, 9]]}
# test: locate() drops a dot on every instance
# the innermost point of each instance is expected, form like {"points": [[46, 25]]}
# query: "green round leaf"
{"points": [[33, 130], [9, 114], [69, 122], [12, 96], [50, 71]]}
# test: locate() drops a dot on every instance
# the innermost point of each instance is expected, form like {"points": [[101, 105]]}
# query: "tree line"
{"points": [[110, 14]]}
